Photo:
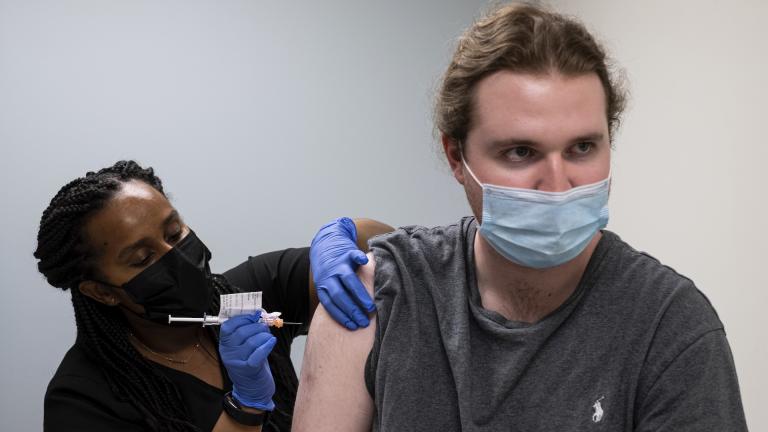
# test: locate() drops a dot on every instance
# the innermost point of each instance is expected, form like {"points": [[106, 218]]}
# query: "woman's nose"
{"points": [[163, 247]]}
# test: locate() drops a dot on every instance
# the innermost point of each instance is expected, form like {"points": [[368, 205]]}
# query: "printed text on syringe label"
{"points": [[239, 304]]}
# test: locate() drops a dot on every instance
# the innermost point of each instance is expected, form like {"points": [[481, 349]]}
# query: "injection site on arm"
{"points": [[332, 394]]}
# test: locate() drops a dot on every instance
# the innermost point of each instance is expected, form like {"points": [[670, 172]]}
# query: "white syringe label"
{"points": [[239, 304]]}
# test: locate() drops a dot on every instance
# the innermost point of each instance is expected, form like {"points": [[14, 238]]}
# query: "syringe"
{"points": [[206, 320]]}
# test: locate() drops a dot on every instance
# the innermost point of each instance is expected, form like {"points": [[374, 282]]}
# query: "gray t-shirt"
{"points": [[636, 347]]}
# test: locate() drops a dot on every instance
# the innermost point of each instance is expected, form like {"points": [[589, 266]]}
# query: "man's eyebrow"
{"points": [[513, 142], [130, 248], [521, 142], [597, 136]]}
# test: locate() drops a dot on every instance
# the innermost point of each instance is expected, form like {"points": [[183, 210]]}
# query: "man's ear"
{"points": [[452, 152], [100, 292]]}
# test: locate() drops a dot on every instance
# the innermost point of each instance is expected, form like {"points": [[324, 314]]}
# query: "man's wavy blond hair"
{"points": [[527, 39]]}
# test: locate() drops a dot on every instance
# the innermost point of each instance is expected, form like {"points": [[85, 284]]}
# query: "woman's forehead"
{"points": [[137, 210]]}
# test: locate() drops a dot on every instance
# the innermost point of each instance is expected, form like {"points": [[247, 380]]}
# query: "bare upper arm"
{"points": [[332, 395]]}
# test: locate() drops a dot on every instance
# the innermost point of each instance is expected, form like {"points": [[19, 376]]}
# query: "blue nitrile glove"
{"points": [[334, 257], [244, 344]]}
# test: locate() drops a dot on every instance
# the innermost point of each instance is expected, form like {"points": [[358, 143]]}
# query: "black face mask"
{"points": [[177, 284]]}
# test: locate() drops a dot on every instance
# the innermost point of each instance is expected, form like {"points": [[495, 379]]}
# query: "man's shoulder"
{"points": [[651, 291], [415, 262], [622, 263], [416, 238]]}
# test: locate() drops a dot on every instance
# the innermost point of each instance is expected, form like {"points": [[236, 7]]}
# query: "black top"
{"points": [[79, 398]]}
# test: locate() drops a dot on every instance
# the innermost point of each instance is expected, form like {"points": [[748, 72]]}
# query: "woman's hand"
{"points": [[334, 257], [244, 345]]}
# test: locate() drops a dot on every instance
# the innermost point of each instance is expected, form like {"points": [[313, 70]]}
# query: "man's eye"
{"points": [[519, 153], [583, 147]]}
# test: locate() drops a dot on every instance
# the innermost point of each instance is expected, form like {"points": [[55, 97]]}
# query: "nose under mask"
{"points": [[179, 283], [540, 229]]}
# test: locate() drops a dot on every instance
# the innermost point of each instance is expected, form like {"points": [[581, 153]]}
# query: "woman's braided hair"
{"points": [[63, 256]]}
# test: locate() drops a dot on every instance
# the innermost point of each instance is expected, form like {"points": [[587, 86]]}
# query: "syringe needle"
{"points": [[214, 320], [206, 320]]}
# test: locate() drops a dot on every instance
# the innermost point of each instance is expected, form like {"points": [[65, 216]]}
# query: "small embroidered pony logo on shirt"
{"points": [[598, 414]]}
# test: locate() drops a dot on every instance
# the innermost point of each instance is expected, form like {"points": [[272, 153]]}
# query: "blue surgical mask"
{"points": [[540, 229]]}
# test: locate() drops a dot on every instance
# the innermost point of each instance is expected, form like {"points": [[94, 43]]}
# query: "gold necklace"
{"points": [[205, 349], [165, 357]]}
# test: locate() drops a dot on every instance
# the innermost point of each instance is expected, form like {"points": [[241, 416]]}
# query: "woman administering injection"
{"points": [[114, 240]]}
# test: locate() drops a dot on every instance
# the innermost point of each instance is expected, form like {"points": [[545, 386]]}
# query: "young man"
{"points": [[527, 316]]}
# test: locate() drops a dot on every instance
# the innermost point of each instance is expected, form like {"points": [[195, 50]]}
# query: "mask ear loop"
{"points": [[464, 161]]}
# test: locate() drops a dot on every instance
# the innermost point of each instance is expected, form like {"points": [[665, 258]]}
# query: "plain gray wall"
{"points": [[690, 171], [266, 119]]}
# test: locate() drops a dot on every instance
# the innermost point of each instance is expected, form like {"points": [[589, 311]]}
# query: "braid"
{"points": [[102, 330], [60, 250], [222, 286]]}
